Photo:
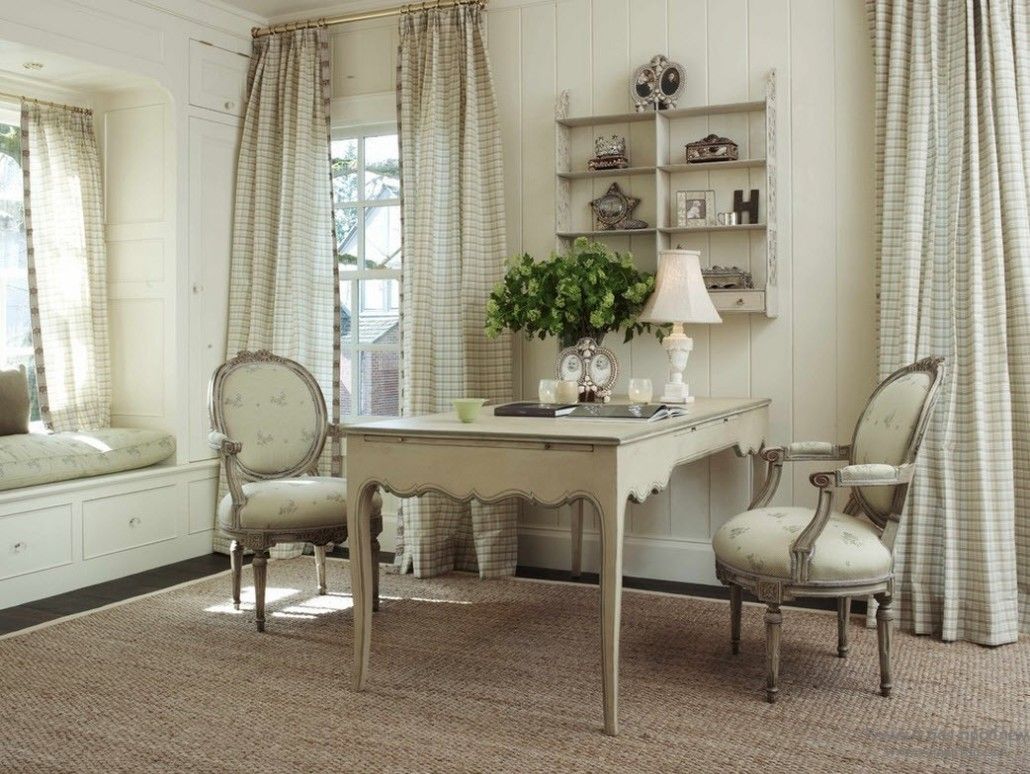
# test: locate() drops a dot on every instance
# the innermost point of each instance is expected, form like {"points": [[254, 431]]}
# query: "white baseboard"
{"points": [[672, 559]]}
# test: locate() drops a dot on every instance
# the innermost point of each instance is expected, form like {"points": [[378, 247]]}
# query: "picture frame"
{"points": [[695, 209]]}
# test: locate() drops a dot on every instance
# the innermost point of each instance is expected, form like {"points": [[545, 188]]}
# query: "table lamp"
{"points": [[679, 297]]}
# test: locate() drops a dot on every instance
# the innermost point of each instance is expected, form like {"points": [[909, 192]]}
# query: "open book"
{"points": [[648, 412]]}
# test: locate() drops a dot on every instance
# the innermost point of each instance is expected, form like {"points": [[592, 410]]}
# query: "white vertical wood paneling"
{"points": [[816, 359], [771, 340], [506, 64], [538, 57], [856, 291], [652, 517], [611, 66], [814, 220]]}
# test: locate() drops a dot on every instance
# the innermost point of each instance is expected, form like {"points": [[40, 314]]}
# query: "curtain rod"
{"points": [[260, 32], [20, 97]]}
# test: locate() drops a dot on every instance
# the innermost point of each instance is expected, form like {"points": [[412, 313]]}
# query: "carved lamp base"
{"points": [[678, 345]]}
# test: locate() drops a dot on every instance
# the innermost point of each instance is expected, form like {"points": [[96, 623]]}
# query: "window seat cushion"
{"points": [[45, 458]]}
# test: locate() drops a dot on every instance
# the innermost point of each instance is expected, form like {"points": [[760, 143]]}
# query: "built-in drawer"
{"points": [[35, 540], [738, 300], [218, 78], [125, 521]]}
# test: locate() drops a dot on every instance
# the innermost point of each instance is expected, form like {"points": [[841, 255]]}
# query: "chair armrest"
{"points": [[803, 547], [798, 451], [874, 474], [802, 451], [223, 444], [227, 450]]}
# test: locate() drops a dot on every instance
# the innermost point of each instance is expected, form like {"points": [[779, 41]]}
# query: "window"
{"points": [[366, 201], [15, 325]]}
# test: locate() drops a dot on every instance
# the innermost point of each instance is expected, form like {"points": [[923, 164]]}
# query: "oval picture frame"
{"points": [[658, 84]]}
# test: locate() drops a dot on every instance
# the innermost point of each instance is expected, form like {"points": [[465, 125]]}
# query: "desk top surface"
{"points": [[558, 429]]}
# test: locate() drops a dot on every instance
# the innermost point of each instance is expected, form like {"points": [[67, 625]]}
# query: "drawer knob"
{"points": [[20, 546], [230, 105], [135, 521], [740, 302]]}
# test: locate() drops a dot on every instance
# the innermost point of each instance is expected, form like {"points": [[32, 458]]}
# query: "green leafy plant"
{"points": [[589, 291]]}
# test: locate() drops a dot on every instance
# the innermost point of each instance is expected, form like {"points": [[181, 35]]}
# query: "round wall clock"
{"points": [[594, 367]]}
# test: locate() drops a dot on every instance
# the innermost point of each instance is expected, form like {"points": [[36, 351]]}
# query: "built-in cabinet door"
{"points": [[213, 149], [218, 78]]}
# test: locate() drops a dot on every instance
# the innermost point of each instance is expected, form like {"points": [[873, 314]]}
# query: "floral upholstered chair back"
{"points": [[891, 429], [274, 408]]}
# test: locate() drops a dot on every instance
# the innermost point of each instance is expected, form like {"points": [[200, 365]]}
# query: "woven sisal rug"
{"points": [[489, 677]]}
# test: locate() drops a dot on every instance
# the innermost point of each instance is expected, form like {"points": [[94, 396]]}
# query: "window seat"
{"points": [[45, 458]]}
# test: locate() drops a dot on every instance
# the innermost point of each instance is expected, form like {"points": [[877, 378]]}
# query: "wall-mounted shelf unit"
{"points": [[596, 173], [655, 146], [709, 229]]}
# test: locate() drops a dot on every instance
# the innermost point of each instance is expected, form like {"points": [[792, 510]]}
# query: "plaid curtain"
{"points": [[452, 196], [67, 265], [284, 281], [953, 185]]}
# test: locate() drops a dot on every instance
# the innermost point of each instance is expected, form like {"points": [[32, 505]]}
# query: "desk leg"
{"points": [[576, 536], [612, 518], [359, 514]]}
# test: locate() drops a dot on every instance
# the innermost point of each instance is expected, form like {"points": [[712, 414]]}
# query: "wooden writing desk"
{"points": [[549, 461]]}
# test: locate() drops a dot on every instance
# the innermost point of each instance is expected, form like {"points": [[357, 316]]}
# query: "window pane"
{"points": [[382, 168], [15, 325], [379, 311], [347, 237], [346, 383], [345, 170], [383, 237], [380, 384], [347, 322]]}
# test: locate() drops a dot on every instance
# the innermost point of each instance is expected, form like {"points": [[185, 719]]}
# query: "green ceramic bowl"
{"points": [[468, 408]]}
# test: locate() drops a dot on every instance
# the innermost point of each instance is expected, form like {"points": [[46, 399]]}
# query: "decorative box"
{"points": [[711, 148], [609, 153], [727, 277]]}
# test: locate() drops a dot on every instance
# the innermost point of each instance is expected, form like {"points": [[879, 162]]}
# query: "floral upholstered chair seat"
{"points": [[759, 541], [312, 501]]}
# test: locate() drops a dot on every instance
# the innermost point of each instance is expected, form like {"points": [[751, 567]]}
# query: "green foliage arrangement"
{"points": [[587, 292]]}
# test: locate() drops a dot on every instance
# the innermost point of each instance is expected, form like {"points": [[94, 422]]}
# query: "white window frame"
{"points": [[354, 348]]}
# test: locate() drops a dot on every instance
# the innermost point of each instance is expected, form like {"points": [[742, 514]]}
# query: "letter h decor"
{"points": [[740, 206]]}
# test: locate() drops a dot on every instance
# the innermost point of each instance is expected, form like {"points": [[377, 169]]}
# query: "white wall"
{"points": [[816, 360]]}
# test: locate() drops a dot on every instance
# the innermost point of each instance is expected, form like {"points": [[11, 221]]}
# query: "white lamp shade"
{"points": [[680, 295]]}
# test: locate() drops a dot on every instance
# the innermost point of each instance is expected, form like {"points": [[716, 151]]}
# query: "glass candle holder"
{"points": [[568, 391], [547, 391], [640, 391]]}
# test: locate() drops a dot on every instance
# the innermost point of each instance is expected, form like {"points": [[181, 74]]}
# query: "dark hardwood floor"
{"points": [[42, 610]]}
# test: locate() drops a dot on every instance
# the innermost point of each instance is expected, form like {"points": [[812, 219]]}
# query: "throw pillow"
{"points": [[14, 401]]}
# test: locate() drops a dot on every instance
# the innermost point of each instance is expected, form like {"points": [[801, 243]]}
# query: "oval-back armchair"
{"points": [[269, 426], [781, 553]]}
